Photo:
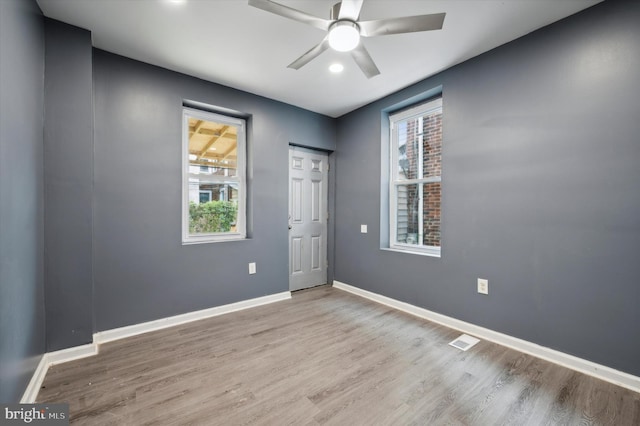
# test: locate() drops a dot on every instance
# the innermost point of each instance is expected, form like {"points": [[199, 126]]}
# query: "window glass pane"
{"points": [[431, 214], [205, 196], [217, 211], [407, 210], [419, 146], [418, 214], [408, 150], [432, 144], [213, 148]]}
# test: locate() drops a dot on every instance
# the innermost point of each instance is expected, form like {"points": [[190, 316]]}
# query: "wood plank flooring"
{"points": [[326, 357]]}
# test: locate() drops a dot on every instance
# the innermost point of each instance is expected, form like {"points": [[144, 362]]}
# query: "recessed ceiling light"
{"points": [[336, 68]]}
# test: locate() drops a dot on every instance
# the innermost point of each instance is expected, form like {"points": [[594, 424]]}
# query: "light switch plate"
{"points": [[252, 268], [363, 229]]}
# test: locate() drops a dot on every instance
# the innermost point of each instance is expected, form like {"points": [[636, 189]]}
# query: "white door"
{"points": [[308, 176]]}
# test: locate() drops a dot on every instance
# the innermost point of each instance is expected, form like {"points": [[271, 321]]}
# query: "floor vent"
{"points": [[464, 342]]}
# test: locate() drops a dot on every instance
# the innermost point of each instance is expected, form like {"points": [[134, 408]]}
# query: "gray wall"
{"points": [[22, 331], [540, 184], [68, 172], [540, 191], [141, 270]]}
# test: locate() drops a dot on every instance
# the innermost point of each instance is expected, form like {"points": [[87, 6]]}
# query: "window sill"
{"points": [[409, 251], [210, 240]]}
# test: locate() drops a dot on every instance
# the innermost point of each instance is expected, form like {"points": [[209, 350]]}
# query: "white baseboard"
{"points": [[77, 352], [52, 358], [70, 354], [146, 327], [31, 393], [599, 371]]}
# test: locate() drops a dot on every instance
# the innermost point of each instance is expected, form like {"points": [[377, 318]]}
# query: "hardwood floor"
{"points": [[326, 357]]}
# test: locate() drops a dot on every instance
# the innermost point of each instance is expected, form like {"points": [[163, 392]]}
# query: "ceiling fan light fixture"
{"points": [[344, 36], [344, 29]]}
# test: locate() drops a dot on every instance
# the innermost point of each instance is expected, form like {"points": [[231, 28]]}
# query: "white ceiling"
{"points": [[231, 43]]}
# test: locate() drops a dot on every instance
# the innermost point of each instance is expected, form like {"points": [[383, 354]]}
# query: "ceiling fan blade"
{"points": [[408, 24], [350, 9], [291, 13], [311, 54], [364, 61]]}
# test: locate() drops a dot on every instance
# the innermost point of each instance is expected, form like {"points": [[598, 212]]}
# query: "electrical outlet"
{"points": [[363, 229], [252, 268], [483, 286]]}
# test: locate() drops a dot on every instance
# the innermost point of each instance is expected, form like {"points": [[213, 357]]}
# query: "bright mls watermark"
{"points": [[34, 414]]}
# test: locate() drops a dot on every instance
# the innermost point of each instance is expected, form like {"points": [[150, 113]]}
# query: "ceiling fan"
{"points": [[344, 30]]}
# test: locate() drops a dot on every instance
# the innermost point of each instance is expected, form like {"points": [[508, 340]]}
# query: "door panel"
{"points": [[316, 200], [316, 244], [308, 176], [296, 255], [297, 199]]}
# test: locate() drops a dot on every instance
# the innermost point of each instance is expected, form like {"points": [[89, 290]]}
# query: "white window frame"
{"points": [[394, 181], [210, 193], [240, 178]]}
